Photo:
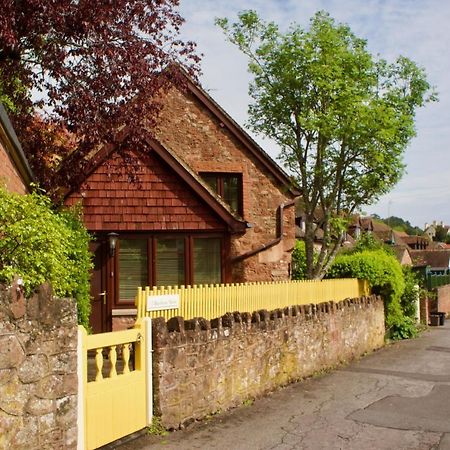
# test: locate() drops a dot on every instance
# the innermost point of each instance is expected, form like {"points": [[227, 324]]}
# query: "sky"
{"points": [[417, 29]]}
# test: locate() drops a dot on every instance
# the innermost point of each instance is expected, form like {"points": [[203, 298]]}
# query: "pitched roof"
{"points": [[436, 259], [9, 137], [181, 169]]}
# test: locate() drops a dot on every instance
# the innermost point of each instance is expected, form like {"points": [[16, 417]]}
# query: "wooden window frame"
{"points": [[220, 177], [151, 259]]}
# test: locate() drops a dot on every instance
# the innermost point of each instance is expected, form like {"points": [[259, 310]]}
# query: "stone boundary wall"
{"points": [[443, 298], [201, 367], [38, 370]]}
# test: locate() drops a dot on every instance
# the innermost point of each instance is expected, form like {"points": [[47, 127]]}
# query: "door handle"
{"points": [[103, 294]]}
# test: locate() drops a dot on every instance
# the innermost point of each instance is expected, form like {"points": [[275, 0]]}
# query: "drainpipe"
{"points": [[273, 242]]}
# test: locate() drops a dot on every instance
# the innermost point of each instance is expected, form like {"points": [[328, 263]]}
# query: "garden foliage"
{"points": [[341, 116], [39, 244], [387, 278]]}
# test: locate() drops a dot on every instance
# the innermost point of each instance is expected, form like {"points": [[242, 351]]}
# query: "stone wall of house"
{"points": [[38, 370], [201, 366], [200, 139], [9, 175]]}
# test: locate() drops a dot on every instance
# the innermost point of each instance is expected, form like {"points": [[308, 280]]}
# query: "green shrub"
{"points": [[367, 241], [38, 245], [405, 329], [385, 276], [299, 261]]}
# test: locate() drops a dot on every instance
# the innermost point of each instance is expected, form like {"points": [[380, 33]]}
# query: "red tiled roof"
{"points": [[436, 259]]}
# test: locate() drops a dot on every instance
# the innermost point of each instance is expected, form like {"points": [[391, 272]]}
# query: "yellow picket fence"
{"points": [[114, 384], [211, 301]]}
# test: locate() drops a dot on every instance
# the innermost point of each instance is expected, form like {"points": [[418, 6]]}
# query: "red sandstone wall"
{"points": [[443, 298], [202, 366], [9, 175], [191, 131]]}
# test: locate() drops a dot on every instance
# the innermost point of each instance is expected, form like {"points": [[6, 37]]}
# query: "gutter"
{"points": [[273, 242]]}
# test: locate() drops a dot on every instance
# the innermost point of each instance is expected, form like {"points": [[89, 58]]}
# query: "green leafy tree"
{"points": [[399, 224], [341, 118], [38, 245], [441, 234], [299, 261]]}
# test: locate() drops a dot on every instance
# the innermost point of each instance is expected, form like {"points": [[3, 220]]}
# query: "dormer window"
{"points": [[228, 186]]}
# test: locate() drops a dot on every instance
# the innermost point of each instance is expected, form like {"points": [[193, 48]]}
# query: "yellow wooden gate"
{"points": [[115, 384]]}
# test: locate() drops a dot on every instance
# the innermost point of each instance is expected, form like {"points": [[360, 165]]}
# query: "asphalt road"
{"points": [[396, 398]]}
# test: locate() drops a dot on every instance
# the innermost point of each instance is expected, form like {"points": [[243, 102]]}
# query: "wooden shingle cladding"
{"points": [[158, 200], [15, 172]]}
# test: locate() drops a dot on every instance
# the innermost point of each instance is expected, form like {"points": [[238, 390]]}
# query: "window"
{"points": [[167, 261], [170, 262], [133, 265], [207, 267], [228, 186]]}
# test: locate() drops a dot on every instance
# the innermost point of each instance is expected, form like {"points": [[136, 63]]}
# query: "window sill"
{"points": [[124, 312]]}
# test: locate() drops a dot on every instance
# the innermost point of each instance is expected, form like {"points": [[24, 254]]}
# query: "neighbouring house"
{"points": [[431, 229], [15, 172], [416, 242], [437, 261], [300, 225], [208, 206]]}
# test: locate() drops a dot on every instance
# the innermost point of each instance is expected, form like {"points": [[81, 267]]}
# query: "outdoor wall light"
{"points": [[112, 240]]}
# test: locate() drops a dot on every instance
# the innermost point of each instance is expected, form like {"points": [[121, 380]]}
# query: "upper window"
{"points": [[228, 186]]}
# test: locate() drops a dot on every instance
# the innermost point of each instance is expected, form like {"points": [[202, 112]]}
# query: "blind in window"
{"points": [[133, 267], [207, 261], [170, 262]]}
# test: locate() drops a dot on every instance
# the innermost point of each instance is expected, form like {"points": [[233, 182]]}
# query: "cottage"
{"points": [[208, 205]]}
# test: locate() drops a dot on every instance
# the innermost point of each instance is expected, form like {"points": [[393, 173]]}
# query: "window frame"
{"points": [[151, 259], [220, 177]]}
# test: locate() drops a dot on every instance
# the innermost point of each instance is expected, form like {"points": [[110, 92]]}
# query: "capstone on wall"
{"points": [[38, 370], [205, 144], [201, 367]]}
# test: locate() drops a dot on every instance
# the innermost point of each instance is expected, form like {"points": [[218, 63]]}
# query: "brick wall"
{"points": [[200, 139], [9, 175], [443, 298], [203, 366], [38, 371]]}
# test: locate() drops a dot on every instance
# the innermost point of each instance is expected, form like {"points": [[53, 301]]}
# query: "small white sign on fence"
{"points": [[160, 302]]}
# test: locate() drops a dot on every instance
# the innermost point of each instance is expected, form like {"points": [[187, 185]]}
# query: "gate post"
{"points": [[82, 380], [147, 328]]}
